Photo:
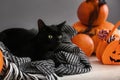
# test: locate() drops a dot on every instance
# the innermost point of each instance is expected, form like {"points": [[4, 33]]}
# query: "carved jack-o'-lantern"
{"points": [[104, 46], [111, 54]]}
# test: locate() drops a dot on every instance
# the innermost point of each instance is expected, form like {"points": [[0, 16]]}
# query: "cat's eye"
{"points": [[50, 36], [60, 36]]}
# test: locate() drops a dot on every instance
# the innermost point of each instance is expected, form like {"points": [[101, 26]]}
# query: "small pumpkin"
{"points": [[96, 40], [1, 61], [93, 12], [84, 42]]}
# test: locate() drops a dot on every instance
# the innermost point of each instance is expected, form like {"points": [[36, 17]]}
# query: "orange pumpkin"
{"points": [[1, 61], [93, 12], [84, 42], [79, 27], [96, 40]]}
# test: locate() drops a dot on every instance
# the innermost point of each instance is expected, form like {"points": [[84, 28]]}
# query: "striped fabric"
{"points": [[68, 59], [12, 72], [72, 60]]}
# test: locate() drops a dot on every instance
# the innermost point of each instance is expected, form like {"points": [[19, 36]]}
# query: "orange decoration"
{"points": [[106, 26], [96, 40], [100, 49], [111, 54], [103, 43], [84, 42], [93, 12], [81, 28], [1, 61]]}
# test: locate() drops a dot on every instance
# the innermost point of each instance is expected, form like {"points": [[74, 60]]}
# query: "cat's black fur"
{"points": [[24, 43]]}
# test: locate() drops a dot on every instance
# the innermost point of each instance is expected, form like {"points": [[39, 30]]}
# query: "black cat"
{"points": [[24, 43]]}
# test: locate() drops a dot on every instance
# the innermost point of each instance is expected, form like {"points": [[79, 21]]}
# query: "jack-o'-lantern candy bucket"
{"points": [[104, 47], [111, 54]]}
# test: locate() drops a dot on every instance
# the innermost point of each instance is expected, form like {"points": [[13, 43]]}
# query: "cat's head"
{"points": [[49, 36]]}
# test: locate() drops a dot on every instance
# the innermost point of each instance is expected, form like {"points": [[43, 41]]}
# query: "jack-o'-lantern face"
{"points": [[111, 54], [115, 56]]}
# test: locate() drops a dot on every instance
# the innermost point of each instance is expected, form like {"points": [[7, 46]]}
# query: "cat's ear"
{"points": [[61, 25], [41, 24]]}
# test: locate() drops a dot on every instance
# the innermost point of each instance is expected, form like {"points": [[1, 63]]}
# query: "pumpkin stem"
{"points": [[87, 0], [102, 2]]}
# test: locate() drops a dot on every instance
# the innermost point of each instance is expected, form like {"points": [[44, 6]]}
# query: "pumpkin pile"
{"points": [[92, 15], [108, 52]]}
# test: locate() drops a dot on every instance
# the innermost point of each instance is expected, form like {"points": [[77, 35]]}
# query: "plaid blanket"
{"points": [[69, 58]]}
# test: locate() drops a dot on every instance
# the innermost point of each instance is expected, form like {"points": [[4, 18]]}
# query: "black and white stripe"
{"points": [[12, 72], [72, 59], [69, 30]]}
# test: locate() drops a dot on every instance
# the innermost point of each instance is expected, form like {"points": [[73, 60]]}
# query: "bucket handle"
{"points": [[111, 32]]}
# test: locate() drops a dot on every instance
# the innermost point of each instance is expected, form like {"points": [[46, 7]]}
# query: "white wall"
{"points": [[114, 10], [24, 13]]}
